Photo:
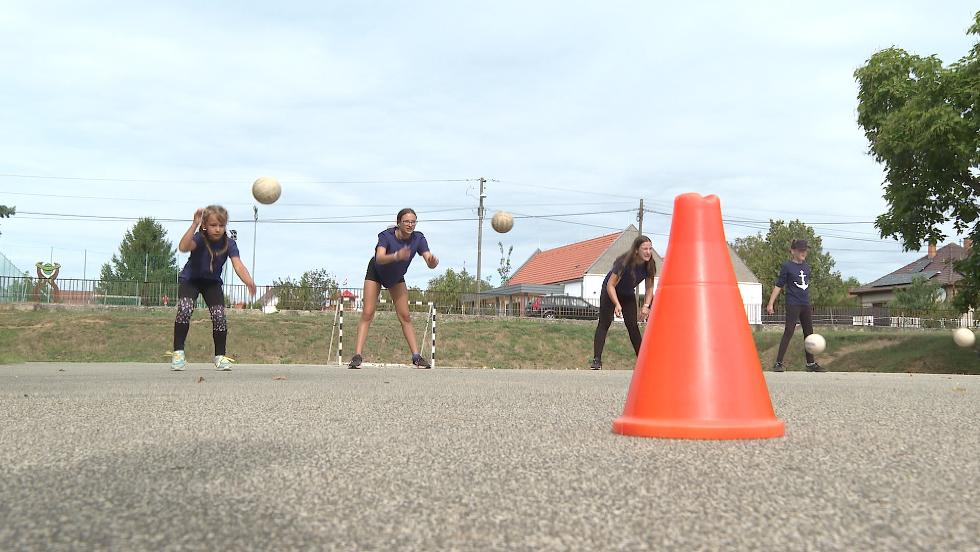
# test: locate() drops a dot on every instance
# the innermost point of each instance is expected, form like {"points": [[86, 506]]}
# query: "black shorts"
{"points": [[372, 274], [210, 289]]}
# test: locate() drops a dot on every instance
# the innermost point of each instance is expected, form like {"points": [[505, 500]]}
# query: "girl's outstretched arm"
{"points": [[243, 274], [430, 259]]}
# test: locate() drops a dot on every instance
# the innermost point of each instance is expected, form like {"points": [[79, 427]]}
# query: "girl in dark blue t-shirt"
{"points": [[618, 295], [210, 247], [795, 278], [392, 255]]}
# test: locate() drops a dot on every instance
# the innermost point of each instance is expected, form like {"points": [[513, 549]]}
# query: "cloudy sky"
{"points": [[573, 111]]}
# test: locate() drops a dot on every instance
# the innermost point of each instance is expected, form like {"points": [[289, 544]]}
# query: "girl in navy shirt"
{"points": [[795, 278], [618, 295], [392, 255], [209, 246]]}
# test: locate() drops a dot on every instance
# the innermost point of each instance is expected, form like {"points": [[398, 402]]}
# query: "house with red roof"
{"points": [[936, 266], [578, 269]]}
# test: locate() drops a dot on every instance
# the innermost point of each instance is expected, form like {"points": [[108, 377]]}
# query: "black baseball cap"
{"points": [[799, 245]]}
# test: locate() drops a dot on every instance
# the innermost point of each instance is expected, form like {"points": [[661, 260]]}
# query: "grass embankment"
{"points": [[91, 335]]}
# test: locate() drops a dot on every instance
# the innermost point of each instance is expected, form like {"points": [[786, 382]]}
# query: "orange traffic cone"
{"points": [[698, 374]]}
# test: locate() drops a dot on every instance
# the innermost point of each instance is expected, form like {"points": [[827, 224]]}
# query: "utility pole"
{"points": [[639, 219], [255, 231], [233, 234], [639, 216], [479, 243]]}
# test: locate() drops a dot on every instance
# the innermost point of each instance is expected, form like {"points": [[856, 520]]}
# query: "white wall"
{"points": [[591, 288], [867, 299], [573, 288], [752, 299]]}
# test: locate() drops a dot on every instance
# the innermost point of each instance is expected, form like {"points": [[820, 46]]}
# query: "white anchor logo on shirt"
{"points": [[802, 285]]}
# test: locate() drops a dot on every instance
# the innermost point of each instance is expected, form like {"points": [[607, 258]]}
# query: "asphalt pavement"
{"points": [[135, 457]]}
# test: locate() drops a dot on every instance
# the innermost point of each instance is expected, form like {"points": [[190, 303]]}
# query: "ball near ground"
{"points": [[814, 344], [964, 337], [502, 221], [266, 189]]}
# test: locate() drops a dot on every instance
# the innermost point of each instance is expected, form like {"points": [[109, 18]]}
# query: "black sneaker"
{"points": [[596, 364], [355, 362], [814, 367], [419, 362], [778, 367]]}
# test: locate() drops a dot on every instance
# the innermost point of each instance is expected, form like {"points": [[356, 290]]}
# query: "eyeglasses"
{"points": [[411, 222]]}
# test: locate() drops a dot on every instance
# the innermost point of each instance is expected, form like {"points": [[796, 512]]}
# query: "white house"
{"points": [[579, 268]]}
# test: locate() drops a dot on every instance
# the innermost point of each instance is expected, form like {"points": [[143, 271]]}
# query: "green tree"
{"points": [[451, 285], [921, 295], [145, 255], [311, 292], [504, 269], [765, 254], [7, 212], [922, 122], [843, 296]]}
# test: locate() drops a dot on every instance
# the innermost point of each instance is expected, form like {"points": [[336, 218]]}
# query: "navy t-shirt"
{"points": [[795, 279], [199, 265], [628, 280], [392, 273]]}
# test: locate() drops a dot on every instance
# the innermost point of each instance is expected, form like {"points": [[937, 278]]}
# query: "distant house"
{"points": [[936, 266], [270, 298], [578, 269]]}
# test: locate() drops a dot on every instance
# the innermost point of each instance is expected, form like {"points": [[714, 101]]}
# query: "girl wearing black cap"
{"points": [[794, 275]]}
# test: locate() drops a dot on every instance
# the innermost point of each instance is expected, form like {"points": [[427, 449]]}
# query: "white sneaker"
{"points": [[223, 363], [177, 361]]}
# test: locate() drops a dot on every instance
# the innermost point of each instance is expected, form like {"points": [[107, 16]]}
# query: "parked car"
{"points": [[562, 306]]}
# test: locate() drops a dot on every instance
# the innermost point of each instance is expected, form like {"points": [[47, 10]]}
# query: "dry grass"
{"points": [[118, 335]]}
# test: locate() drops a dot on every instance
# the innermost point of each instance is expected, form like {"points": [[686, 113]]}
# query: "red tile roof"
{"points": [[563, 264]]}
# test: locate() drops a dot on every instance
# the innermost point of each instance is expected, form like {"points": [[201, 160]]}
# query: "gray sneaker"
{"points": [[419, 362], [596, 364], [355, 362], [814, 367], [778, 367]]}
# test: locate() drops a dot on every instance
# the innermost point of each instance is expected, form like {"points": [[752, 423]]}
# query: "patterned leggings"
{"points": [[214, 297]]}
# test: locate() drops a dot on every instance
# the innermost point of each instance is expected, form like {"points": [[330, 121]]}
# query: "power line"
{"points": [[237, 181], [339, 220], [560, 189], [889, 251], [822, 235], [363, 219], [767, 221], [553, 219], [432, 208], [420, 181], [763, 225], [665, 212]]}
